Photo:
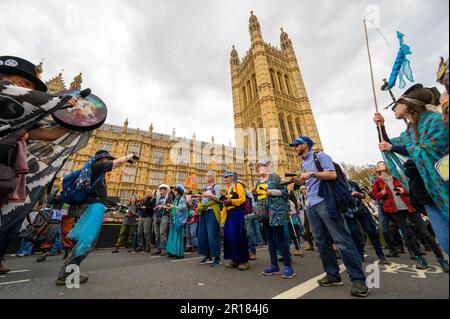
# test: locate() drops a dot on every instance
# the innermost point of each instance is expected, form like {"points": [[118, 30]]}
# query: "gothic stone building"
{"points": [[268, 93]]}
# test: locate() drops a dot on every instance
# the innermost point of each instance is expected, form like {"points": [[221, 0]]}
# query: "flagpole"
{"points": [[373, 80]]}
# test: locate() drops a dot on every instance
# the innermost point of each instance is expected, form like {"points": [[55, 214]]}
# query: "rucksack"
{"points": [[44, 228], [76, 186], [339, 172], [248, 205]]}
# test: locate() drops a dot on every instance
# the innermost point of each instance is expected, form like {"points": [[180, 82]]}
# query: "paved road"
{"points": [[136, 275]]}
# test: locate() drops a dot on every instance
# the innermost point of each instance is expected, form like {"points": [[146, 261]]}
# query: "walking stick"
{"points": [[296, 237], [372, 77]]}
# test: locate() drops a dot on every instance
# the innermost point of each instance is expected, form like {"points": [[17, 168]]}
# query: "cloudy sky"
{"points": [[166, 62]]}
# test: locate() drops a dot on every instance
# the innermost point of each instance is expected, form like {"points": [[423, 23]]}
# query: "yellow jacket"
{"points": [[240, 191]]}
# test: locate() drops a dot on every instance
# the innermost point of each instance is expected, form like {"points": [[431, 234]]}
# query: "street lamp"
{"points": [[251, 165]]}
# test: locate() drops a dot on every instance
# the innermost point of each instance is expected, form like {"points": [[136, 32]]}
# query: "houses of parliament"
{"points": [[271, 108]]}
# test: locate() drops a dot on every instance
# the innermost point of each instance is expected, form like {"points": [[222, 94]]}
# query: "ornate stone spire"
{"points": [[234, 61], [76, 83], [286, 43], [173, 134], [56, 84], [254, 28]]}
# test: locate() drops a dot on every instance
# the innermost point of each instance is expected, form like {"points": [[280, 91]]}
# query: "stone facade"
{"points": [[269, 97], [268, 93]]}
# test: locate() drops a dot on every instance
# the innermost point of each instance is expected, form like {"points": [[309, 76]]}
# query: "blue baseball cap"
{"points": [[228, 174], [262, 163], [180, 188], [303, 140]]}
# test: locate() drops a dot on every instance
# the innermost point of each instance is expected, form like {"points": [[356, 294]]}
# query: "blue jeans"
{"points": [[209, 235], [250, 228], [277, 241], [258, 233], [57, 245], [439, 224], [191, 231], [26, 248], [321, 227], [369, 229]]}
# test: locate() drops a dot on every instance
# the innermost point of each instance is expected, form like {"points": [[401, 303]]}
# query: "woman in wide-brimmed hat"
{"points": [[425, 142]]}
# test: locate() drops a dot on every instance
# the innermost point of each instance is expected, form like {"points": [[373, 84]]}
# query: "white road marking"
{"points": [[18, 271], [178, 260], [304, 288], [2, 276], [14, 282]]}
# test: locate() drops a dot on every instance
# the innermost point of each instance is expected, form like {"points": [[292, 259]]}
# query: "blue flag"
{"points": [[402, 66]]}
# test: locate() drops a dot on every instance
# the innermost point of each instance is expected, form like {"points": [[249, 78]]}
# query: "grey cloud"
{"points": [[167, 62]]}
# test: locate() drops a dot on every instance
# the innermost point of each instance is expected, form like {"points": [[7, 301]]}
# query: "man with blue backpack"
{"points": [[86, 191], [328, 198]]}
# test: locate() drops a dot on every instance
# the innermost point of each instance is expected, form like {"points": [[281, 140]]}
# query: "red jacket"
{"points": [[388, 200]]}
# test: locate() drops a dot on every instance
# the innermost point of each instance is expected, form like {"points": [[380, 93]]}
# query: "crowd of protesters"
{"points": [[406, 205]]}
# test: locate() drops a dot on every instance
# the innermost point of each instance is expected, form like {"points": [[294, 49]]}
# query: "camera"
{"points": [[134, 158]]}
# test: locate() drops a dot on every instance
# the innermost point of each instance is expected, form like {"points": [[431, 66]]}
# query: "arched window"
{"points": [[280, 81], [288, 85], [297, 123], [244, 95], [272, 77], [249, 86], [255, 86], [283, 128], [291, 128]]}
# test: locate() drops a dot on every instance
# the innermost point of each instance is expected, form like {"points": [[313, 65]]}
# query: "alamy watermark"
{"points": [[373, 16], [253, 144], [73, 280]]}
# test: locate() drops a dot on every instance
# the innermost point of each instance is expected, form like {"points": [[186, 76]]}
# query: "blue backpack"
{"points": [[77, 185]]}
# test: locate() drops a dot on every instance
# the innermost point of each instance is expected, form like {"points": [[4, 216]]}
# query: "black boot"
{"points": [[393, 254]]}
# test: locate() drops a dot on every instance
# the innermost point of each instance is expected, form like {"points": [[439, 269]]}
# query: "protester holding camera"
{"points": [[145, 225], [362, 216], [396, 203], [235, 237], [103, 163], [161, 218], [273, 211], [209, 222], [127, 230]]}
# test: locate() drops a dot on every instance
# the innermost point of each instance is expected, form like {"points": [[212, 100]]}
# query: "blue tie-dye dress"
{"points": [[431, 147]]}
